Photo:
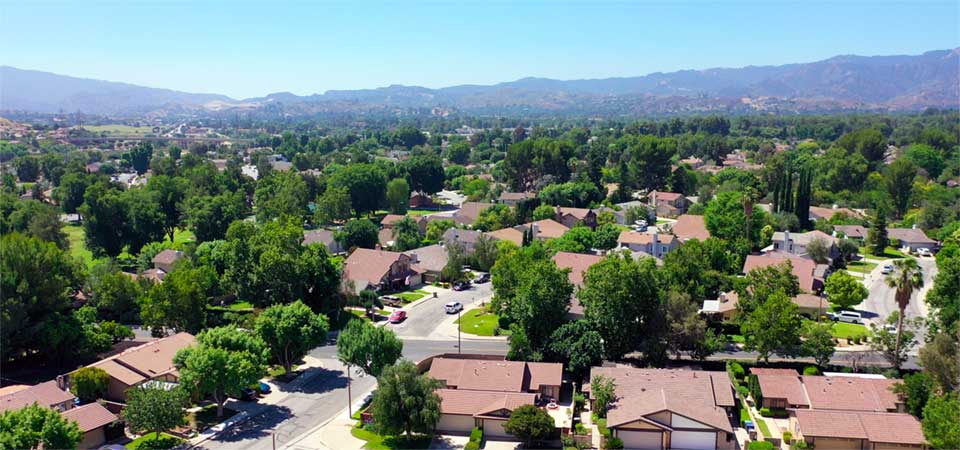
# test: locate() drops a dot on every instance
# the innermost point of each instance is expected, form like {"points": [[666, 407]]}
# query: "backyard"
{"points": [[78, 248]]}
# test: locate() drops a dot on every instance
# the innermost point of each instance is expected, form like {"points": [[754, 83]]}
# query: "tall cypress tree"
{"points": [[877, 235], [803, 198]]}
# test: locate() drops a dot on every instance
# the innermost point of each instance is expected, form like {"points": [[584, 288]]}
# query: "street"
{"points": [[882, 299]]}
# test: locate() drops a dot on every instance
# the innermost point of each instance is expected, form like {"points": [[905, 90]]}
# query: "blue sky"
{"points": [[247, 48]]}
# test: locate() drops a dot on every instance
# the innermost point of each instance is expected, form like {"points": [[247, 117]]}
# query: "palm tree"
{"points": [[906, 278]]}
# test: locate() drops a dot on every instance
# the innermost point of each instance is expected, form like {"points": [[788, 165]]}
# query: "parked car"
{"points": [[247, 395], [890, 327], [391, 300], [850, 317], [924, 252], [453, 307], [461, 285], [887, 269], [482, 278], [398, 316]]}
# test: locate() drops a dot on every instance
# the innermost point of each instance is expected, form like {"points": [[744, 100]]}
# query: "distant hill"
{"points": [[904, 82]]}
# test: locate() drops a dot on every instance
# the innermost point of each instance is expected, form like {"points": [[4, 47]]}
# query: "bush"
{"points": [[580, 428], [476, 435], [579, 400], [787, 436], [765, 412], [811, 370], [800, 444], [613, 444], [743, 391], [472, 445], [736, 370], [760, 445]]}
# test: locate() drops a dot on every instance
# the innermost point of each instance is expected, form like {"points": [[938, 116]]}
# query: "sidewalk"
{"points": [[334, 434]]}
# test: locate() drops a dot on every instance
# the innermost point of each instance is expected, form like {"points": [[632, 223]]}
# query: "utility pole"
{"points": [[274, 436]]}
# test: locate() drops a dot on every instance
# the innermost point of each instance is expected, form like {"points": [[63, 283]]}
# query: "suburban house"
{"points": [[669, 204], [854, 232], [420, 200], [797, 243], [689, 227], [152, 361], [804, 269], [467, 238], [542, 229], [390, 220], [379, 270], [166, 259], [469, 211], [724, 308], [324, 237], [514, 198], [819, 213], [670, 409], [92, 418], [578, 263], [508, 234], [430, 260], [857, 430], [912, 238], [482, 391], [654, 244], [571, 217]]}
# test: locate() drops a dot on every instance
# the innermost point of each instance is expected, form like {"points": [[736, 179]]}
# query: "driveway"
{"points": [[492, 444]]}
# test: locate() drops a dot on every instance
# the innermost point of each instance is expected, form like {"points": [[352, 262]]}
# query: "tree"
{"points": [[366, 183], [144, 221], [70, 191], [848, 250], [605, 236], [578, 346], [541, 301], [894, 347], [494, 218], [367, 347], [939, 360], [844, 290], [170, 193], [33, 218], [529, 423], [398, 196], [180, 301], [154, 408], [425, 173], [906, 277], [35, 427], [927, 158], [818, 342], [104, 213], [458, 152], [866, 141], [139, 157], [280, 194], [436, 229], [358, 233], [89, 383], [544, 212], [485, 252], [725, 218], [604, 391], [406, 234], [291, 331], [773, 327], [405, 401], [819, 250], [686, 330], [408, 136], [944, 299], [235, 340], [898, 178], [115, 294], [209, 216], [877, 234], [916, 389], [218, 372], [28, 168], [333, 205], [941, 417]]}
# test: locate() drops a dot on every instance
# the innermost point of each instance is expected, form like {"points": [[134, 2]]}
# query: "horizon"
{"points": [[300, 49]]}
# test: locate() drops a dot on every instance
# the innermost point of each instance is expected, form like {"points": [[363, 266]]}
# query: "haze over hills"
{"points": [[902, 82]]}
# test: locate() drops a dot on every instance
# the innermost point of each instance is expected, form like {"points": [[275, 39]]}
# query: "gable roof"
{"points": [[432, 258], [787, 387], [516, 196], [579, 213], [912, 235], [850, 393], [321, 236], [578, 263], [147, 361], [167, 256], [636, 237], [456, 401], [368, 265], [495, 375], [805, 238], [466, 237], [90, 416], [892, 428], [802, 268], [666, 196], [818, 212], [547, 228], [45, 394], [689, 227], [469, 211], [508, 234], [390, 219], [773, 371]]}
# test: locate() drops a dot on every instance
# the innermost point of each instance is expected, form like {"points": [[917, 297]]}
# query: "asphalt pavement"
{"points": [[881, 301]]}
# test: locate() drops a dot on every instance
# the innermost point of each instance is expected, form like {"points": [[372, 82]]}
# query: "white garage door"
{"points": [[452, 423], [494, 428], [693, 440], [645, 440]]}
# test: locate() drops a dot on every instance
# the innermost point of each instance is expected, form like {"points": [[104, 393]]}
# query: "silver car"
{"points": [[453, 307]]}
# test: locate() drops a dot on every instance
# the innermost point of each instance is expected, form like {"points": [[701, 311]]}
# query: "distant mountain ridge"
{"points": [[901, 82]]}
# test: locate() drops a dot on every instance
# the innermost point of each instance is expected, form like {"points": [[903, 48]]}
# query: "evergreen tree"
{"points": [[877, 238]]}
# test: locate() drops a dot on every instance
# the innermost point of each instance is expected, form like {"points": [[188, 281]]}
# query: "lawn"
{"points": [[736, 338], [181, 236], [119, 130], [861, 266], [361, 314], [207, 417], [78, 248], [420, 212], [241, 306], [762, 425], [480, 322], [412, 296], [149, 441], [890, 253], [744, 414], [845, 330], [378, 442]]}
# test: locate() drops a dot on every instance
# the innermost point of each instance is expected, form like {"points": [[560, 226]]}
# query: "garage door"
{"points": [[645, 440], [837, 443], [494, 428], [452, 423], [693, 440]]}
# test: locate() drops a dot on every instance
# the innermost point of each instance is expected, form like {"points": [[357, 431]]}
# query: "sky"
{"points": [[248, 49]]}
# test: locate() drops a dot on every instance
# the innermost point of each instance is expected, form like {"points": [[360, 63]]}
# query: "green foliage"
{"points": [[368, 347], [578, 345], [209, 216], [366, 183], [333, 205], [939, 357], [943, 298], [154, 409], [281, 194], [218, 371], [577, 195], [613, 444], [529, 423], [406, 234], [89, 383], [398, 196], [941, 421], [37, 426], [736, 370], [811, 370], [290, 331], [844, 290], [604, 392], [360, 233], [898, 178], [32, 218], [494, 218], [773, 327], [544, 212], [754, 386], [425, 173], [760, 445], [476, 435], [725, 218], [180, 301], [916, 389], [405, 401]]}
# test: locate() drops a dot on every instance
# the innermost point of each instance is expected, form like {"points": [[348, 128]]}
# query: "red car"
{"points": [[398, 316]]}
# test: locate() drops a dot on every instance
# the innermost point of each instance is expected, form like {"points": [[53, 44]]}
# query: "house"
{"points": [[92, 418], [390, 220], [467, 238], [912, 238], [852, 393], [481, 391], [819, 213], [542, 229], [797, 243], [578, 263], [152, 361], [571, 217], [854, 232], [514, 198], [324, 237], [689, 227], [669, 204], [166, 259], [724, 308], [469, 211], [856, 429], [781, 390], [420, 200], [430, 260], [508, 234], [670, 409], [654, 244], [802, 268], [379, 270]]}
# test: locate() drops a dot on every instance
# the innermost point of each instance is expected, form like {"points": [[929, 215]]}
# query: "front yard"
{"points": [[412, 296], [861, 266], [481, 322], [889, 253], [378, 442], [150, 441]]}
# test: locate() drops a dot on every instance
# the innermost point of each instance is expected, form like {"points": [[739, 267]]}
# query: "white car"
{"points": [[849, 317], [887, 269], [924, 252], [453, 307]]}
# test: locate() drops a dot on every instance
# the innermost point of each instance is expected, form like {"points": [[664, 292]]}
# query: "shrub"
{"points": [[476, 435], [811, 370], [743, 391], [800, 444], [787, 436], [760, 445], [580, 428], [736, 370], [472, 445], [765, 412], [754, 387], [613, 444], [579, 400]]}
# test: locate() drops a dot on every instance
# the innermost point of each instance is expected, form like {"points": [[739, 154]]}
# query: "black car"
{"points": [[461, 285], [482, 278]]}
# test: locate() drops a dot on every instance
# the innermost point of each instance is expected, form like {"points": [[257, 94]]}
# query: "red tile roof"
{"points": [[850, 393], [90, 416], [691, 227], [147, 361], [578, 263], [455, 401], [495, 375], [786, 387], [773, 371], [890, 428], [801, 267], [46, 394], [369, 265]]}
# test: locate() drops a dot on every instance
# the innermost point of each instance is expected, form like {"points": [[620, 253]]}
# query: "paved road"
{"points": [[426, 315], [882, 299]]}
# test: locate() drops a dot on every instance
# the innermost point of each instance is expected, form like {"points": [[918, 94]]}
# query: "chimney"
{"points": [[536, 230], [786, 238], [414, 258]]}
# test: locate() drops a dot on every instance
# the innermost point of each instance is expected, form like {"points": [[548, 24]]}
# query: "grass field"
{"points": [[78, 249], [861, 266], [119, 130], [378, 442], [479, 322], [762, 425], [843, 330]]}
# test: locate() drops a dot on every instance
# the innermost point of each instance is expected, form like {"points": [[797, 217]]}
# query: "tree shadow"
{"points": [[315, 380], [256, 427]]}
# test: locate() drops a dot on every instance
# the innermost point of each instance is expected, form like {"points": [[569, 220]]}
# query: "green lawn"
{"points": [[359, 313], [78, 249], [378, 442], [207, 417], [480, 322], [241, 306], [744, 414], [861, 266], [845, 330], [119, 130], [420, 212], [762, 425], [736, 338], [890, 253], [181, 236], [412, 296], [149, 441], [662, 221]]}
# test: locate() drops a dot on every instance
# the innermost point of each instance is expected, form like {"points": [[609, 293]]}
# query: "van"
{"points": [[849, 317]]}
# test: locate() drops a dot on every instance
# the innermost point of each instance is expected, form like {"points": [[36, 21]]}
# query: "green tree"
{"points": [[604, 392], [398, 196], [494, 218], [425, 173], [139, 157], [939, 360], [35, 426], [218, 372], [867, 141], [280, 194], [436, 229], [333, 205], [366, 183], [844, 290], [926, 157], [906, 278], [28, 168], [234, 339], [916, 389], [154, 409], [358, 233], [877, 238], [894, 347], [579, 346], [367, 347], [115, 294], [209, 216], [529, 423], [725, 218], [180, 301], [170, 192], [541, 301], [104, 213], [89, 383], [70, 191], [406, 234], [943, 298], [291, 331], [544, 212], [686, 330], [485, 252], [941, 421], [773, 327], [819, 250], [818, 342], [405, 401], [898, 178]]}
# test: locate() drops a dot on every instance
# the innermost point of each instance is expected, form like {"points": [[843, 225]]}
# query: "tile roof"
{"points": [[508, 234], [850, 393], [167, 256], [369, 265], [324, 237], [805, 238], [432, 258], [390, 219], [579, 213], [773, 371], [455, 401], [578, 263], [466, 237], [809, 301], [516, 195], [46, 394], [635, 237], [666, 196], [890, 428], [469, 211], [90, 416], [146, 361], [912, 235], [801, 267], [495, 375], [828, 213], [852, 231], [690, 227], [547, 228], [783, 386]]}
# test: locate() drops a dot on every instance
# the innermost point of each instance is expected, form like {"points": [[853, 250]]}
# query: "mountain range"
{"points": [[888, 83]]}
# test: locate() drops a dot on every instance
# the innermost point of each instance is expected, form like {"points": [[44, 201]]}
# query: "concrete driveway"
{"points": [[449, 442], [492, 444]]}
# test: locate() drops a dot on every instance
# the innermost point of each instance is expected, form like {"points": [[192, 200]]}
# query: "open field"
{"points": [[119, 130]]}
